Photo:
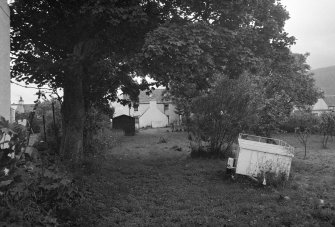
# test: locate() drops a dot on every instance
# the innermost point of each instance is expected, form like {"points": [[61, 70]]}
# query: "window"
{"points": [[166, 107], [136, 107]]}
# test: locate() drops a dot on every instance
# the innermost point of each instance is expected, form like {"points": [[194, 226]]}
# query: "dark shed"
{"points": [[126, 123]]}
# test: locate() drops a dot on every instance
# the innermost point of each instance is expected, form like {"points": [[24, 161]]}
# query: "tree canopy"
{"points": [[85, 47], [91, 48], [231, 38]]}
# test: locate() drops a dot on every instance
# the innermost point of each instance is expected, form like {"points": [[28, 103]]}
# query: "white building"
{"points": [[152, 110], [325, 104], [4, 60]]}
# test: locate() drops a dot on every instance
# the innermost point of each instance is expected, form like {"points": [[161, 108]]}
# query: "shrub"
{"points": [[302, 123], [221, 115], [33, 193], [302, 120], [162, 140], [327, 126], [273, 179], [99, 138], [96, 124]]}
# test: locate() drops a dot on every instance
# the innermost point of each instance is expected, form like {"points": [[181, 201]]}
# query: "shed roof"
{"points": [[123, 116], [330, 100]]}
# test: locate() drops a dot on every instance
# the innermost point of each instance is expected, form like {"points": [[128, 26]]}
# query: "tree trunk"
{"points": [[73, 111], [305, 146]]}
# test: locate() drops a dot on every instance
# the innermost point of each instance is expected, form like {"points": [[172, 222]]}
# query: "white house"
{"points": [[325, 104], [4, 60], [21, 107], [152, 110]]}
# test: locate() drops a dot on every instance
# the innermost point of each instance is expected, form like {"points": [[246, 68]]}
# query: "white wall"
{"points": [[143, 108], [4, 61], [173, 117], [153, 117], [120, 109], [320, 106]]}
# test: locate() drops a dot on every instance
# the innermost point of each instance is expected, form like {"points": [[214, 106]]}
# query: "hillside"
{"points": [[325, 79]]}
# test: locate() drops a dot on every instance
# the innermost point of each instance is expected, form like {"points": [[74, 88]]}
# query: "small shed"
{"points": [[259, 156], [126, 123]]}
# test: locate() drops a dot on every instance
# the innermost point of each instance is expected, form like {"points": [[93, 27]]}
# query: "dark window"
{"points": [[166, 107], [136, 107]]}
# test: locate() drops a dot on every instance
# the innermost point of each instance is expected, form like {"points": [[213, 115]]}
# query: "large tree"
{"points": [[90, 48], [284, 83], [83, 46], [216, 37], [213, 39]]}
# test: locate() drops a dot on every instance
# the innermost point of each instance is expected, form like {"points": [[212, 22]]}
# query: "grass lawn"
{"points": [[144, 182]]}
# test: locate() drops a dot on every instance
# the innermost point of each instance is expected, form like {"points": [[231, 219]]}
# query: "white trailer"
{"points": [[259, 156]]}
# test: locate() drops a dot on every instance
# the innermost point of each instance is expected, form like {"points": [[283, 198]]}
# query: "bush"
{"points": [[304, 123], [33, 192], [99, 135], [327, 126], [301, 120], [218, 117], [273, 179]]}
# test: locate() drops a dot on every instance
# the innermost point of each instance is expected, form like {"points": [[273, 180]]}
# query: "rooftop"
{"points": [[155, 95], [329, 100]]}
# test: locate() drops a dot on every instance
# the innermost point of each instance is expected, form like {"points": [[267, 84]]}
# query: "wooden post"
{"points": [[54, 124], [45, 133], [30, 128]]}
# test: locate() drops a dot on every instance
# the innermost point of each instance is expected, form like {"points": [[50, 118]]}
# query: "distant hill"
{"points": [[325, 79]]}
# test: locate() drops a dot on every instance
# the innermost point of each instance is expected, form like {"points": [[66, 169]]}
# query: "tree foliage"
{"points": [[214, 37], [327, 126], [84, 47], [220, 116], [286, 85], [304, 123], [91, 48], [231, 38]]}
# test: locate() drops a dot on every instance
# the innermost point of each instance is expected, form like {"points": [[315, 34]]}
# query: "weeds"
{"points": [[273, 179], [162, 140], [33, 190]]}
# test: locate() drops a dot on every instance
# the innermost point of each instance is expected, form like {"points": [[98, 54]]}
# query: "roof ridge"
{"points": [[144, 111]]}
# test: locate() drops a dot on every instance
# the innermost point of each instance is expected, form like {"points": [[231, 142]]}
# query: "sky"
{"points": [[312, 23]]}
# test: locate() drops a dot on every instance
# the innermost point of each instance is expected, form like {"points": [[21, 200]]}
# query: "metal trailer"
{"points": [[259, 156]]}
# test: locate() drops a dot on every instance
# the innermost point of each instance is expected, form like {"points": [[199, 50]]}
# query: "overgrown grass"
{"points": [[145, 183]]}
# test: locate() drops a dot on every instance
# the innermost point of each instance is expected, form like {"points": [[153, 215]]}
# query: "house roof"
{"points": [[329, 100], [28, 107], [155, 95]]}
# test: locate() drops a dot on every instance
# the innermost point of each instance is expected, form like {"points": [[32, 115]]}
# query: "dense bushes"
{"points": [[220, 116], [303, 123], [97, 125], [301, 120], [33, 190], [327, 126]]}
